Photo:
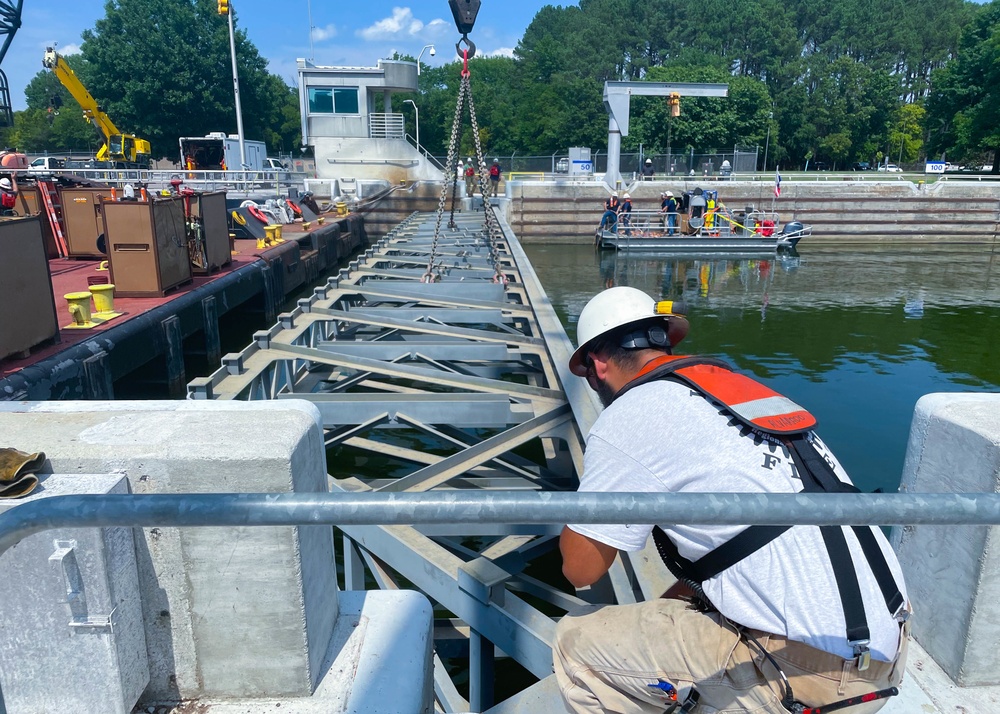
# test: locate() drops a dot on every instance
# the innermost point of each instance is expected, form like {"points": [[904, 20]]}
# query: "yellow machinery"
{"points": [[118, 147]]}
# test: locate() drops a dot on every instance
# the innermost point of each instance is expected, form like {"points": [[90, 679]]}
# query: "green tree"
{"points": [[164, 71], [53, 121], [963, 109]]}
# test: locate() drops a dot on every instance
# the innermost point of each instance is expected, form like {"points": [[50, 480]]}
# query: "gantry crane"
{"points": [[118, 148]]}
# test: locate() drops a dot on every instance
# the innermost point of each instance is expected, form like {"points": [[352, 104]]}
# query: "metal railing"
{"points": [[386, 126], [198, 180], [454, 507]]}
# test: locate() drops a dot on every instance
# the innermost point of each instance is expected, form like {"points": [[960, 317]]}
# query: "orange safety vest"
{"points": [[754, 404]]}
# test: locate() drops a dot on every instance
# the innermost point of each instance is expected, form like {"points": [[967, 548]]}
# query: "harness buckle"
{"points": [[862, 655]]}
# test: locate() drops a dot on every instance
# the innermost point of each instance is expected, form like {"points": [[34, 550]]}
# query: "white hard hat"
{"points": [[669, 194], [626, 196], [5, 184], [614, 194], [649, 161], [618, 307], [496, 161], [469, 159]]}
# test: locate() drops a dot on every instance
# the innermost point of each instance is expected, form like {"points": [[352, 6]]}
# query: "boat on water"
{"points": [[714, 231]]}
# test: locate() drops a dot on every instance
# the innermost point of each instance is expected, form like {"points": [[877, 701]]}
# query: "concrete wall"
{"points": [[394, 160], [953, 572], [842, 213], [80, 651], [227, 612]]}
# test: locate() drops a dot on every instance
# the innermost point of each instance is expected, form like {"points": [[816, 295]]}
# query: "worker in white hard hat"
{"points": [[647, 170], [625, 214], [762, 619], [495, 174], [470, 178], [609, 220], [8, 196], [668, 209]]}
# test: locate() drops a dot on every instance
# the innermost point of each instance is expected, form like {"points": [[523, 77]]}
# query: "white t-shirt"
{"points": [[665, 437]]}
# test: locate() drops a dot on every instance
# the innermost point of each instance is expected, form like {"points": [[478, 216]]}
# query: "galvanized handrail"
{"points": [[292, 509]]}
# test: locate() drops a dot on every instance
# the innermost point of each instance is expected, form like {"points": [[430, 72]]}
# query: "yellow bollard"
{"points": [[306, 225], [271, 232], [103, 265], [341, 208], [79, 308], [320, 220], [104, 302]]}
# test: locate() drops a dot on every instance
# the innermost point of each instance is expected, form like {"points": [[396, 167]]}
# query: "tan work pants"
{"points": [[470, 186], [606, 658]]}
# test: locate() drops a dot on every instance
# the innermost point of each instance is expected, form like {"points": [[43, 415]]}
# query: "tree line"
{"points": [[833, 81], [837, 81]]}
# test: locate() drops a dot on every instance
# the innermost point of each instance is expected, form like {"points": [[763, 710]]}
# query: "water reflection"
{"points": [[857, 337]]}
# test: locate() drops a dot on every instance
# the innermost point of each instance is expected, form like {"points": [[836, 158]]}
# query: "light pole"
{"points": [[225, 9], [425, 47], [416, 114], [312, 54], [767, 143]]}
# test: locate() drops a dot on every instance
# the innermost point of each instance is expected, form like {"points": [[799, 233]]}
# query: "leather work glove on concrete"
{"points": [[17, 472]]}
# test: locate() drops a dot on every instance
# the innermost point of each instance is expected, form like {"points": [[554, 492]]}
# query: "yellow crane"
{"points": [[117, 147]]}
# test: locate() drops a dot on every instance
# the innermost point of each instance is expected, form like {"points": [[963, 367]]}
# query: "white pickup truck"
{"points": [[46, 165]]}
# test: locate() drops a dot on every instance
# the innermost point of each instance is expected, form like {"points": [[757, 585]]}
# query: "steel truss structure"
{"points": [[436, 359]]}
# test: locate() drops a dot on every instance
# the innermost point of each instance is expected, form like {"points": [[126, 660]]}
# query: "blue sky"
{"points": [[351, 33]]}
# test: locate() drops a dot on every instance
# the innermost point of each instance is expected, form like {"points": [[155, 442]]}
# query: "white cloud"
{"points": [[401, 24], [319, 34], [439, 27], [500, 52]]}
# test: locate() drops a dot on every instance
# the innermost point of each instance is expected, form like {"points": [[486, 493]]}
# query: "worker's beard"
{"points": [[604, 392]]}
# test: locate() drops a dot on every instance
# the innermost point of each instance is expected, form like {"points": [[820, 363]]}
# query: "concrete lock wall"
{"points": [[841, 212], [71, 633], [227, 612], [953, 572]]}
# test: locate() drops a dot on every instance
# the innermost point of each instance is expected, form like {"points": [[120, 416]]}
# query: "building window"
{"points": [[333, 100]]}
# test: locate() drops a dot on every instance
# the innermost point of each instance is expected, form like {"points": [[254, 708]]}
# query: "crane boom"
{"points": [[117, 146]]}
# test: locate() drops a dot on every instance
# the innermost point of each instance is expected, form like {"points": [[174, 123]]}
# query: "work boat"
{"points": [[716, 231]]}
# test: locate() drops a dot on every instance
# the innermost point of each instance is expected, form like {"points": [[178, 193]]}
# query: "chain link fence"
{"points": [[689, 163]]}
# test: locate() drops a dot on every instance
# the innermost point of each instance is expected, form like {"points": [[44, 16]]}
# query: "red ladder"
{"points": [[50, 199]]}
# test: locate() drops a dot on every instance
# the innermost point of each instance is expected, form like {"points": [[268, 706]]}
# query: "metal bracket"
{"points": [[64, 557]]}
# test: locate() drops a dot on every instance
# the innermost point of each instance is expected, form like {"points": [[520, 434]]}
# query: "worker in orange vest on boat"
{"points": [[765, 619], [609, 219]]}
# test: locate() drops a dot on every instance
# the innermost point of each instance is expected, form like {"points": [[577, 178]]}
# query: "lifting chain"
{"points": [[464, 12], [491, 227]]}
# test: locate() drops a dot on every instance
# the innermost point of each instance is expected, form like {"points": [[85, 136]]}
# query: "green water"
{"points": [[856, 338]]}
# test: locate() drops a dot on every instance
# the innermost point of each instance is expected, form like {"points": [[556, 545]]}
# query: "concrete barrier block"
{"points": [[953, 572], [71, 631], [228, 612]]}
